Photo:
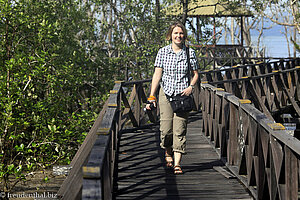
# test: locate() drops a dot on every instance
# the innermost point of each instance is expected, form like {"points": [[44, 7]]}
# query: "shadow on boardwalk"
{"points": [[142, 173]]}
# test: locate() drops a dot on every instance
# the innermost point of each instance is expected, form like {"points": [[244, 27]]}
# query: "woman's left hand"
{"points": [[187, 91]]}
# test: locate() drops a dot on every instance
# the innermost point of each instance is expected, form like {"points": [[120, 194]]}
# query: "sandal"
{"points": [[178, 170], [169, 162]]}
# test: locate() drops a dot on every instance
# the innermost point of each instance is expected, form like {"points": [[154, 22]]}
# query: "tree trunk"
{"points": [[198, 30], [157, 11], [295, 39], [185, 11], [246, 33], [225, 33], [157, 18], [232, 31]]}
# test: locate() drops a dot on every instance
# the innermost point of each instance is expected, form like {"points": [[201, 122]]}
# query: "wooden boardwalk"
{"points": [[142, 173]]}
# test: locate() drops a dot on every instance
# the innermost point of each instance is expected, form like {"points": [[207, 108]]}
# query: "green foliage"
{"points": [[58, 61], [144, 36], [47, 84]]}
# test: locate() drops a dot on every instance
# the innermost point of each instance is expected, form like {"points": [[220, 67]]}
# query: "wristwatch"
{"points": [[193, 87]]}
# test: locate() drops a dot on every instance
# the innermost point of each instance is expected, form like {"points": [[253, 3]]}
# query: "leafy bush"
{"points": [[58, 61], [50, 91]]}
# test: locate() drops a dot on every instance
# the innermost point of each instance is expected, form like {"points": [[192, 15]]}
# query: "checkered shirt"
{"points": [[175, 69]]}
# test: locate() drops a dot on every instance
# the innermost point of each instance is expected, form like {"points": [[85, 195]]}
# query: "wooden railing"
{"points": [[240, 107], [99, 172], [72, 185], [258, 149], [272, 87], [93, 172], [93, 167], [219, 56]]}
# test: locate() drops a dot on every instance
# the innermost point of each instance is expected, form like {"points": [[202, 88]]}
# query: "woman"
{"points": [[171, 70]]}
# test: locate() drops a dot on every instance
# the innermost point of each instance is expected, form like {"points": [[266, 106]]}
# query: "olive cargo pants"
{"points": [[173, 126]]}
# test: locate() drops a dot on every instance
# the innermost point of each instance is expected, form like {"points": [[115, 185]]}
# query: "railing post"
{"points": [[291, 174], [233, 135]]}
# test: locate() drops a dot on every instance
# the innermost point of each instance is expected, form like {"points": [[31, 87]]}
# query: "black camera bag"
{"points": [[181, 103]]}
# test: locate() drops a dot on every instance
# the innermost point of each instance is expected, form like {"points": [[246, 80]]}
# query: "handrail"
{"points": [[257, 150], [258, 64], [99, 172], [263, 83], [71, 187]]}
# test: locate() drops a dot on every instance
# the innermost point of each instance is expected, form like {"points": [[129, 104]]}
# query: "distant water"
{"points": [[275, 45], [274, 41]]}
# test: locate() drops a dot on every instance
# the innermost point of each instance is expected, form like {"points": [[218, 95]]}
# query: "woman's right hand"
{"points": [[151, 103]]}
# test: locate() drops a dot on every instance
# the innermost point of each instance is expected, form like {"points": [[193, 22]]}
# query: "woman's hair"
{"points": [[171, 28]]}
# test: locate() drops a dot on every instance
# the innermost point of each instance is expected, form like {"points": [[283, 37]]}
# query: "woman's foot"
{"points": [[169, 160], [178, 170]]}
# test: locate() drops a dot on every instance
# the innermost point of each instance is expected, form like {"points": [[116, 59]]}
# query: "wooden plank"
{"points": [[107, 122], [224, 127], [250, 153], [143, 175], [289, 96], [272, 179], [218, 107], [224, 172], [264, 121], [94, 166], [291, 175], [91, 190], [232, 151], [258, 101], [260, 166], [137, 104], [211, 115], [128, 109], [130, 102]]}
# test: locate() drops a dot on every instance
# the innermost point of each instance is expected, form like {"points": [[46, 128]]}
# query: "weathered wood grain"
{"points": [[143, 175]]}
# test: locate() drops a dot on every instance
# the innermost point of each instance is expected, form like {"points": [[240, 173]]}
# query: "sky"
{"points": [[273, 40]]}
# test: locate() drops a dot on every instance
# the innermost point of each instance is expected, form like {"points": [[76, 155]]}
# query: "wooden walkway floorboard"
{"points": [[142, 173]]}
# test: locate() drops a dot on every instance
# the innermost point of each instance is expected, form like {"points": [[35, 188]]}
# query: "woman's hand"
{"points": [[187, 91], [151, 103], [150, 106]]}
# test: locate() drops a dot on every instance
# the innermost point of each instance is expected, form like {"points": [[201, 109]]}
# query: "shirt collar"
{"points": [[170, 50]]}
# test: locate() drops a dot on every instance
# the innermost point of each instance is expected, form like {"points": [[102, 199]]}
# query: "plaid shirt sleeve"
{"points": [[193, 60], [159, 59]]}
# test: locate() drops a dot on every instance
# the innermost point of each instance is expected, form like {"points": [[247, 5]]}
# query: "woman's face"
{"points": [[177, 36]]}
